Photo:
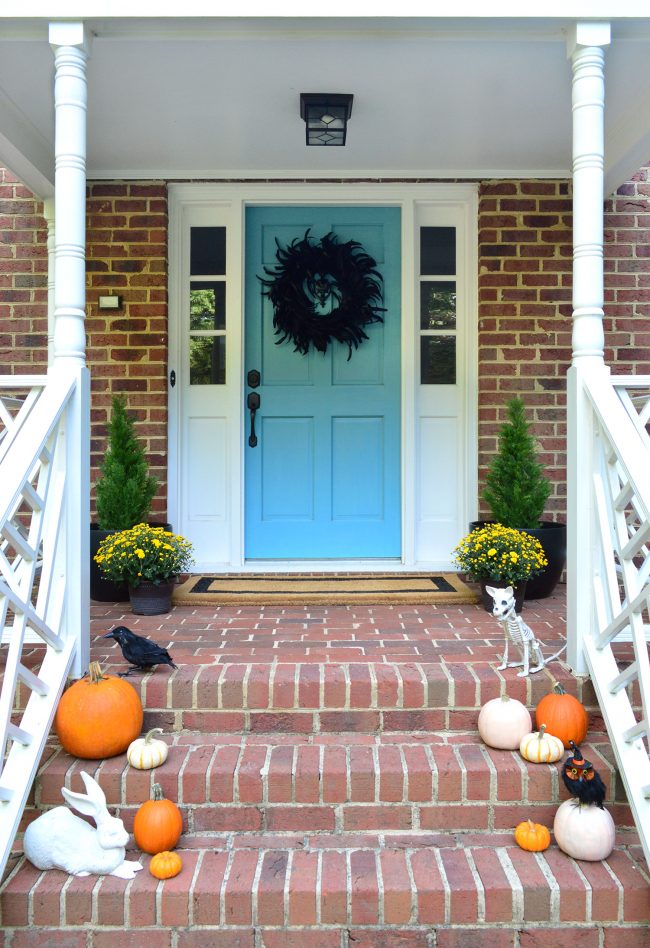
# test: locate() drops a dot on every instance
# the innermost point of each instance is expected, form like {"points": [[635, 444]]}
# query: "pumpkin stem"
{"points": [[95, 672], [157, 792], [559, 689], [148, 735], [541, 731]]}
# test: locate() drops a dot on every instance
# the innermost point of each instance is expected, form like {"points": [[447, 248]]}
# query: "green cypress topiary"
{"points": [[125, 489], [516, 489]]}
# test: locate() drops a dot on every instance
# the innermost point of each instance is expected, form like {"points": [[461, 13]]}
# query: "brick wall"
{"points": [[23, 280], [627, 277], [127, 349], [524, 304], [525, 258]]}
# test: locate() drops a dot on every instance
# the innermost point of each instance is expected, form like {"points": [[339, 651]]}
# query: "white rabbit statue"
{"points": [[60, 840]]}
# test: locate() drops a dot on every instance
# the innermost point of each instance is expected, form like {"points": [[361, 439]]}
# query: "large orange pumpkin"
{"points": [[98, 716], [563, 716], [158, 824]]}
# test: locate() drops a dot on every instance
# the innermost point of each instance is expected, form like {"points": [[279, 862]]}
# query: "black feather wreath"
{"points": [[310, 272]]}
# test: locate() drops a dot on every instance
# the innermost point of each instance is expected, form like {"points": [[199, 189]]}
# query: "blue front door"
{"points": [[323, 481]]}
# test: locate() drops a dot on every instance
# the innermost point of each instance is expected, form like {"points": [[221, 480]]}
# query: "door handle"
{"points": [[253, 403]]}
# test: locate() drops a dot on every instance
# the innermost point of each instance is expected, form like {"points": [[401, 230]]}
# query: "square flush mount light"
{"points": [[326, 116]]}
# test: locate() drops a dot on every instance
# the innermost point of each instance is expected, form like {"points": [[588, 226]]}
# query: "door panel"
{"points": [[324, 478]]}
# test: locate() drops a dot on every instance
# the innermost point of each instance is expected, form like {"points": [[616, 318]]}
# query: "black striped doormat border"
{"points": [[322, 589]]}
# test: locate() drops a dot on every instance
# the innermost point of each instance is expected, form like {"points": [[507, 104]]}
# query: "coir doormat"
{"points": [[322, 589]]}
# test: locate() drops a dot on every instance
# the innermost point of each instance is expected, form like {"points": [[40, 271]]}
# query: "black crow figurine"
{"points": [[138, 651], [581, 780]]}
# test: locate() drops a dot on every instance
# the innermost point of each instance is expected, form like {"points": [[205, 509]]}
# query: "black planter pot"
{"points": [[552, 537], [107, 590]]}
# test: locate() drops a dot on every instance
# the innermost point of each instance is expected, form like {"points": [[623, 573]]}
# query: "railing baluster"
{"points": [[621, 579]]}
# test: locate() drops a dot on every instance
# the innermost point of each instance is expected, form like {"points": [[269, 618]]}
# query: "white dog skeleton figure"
{"points": [[517, 632]]}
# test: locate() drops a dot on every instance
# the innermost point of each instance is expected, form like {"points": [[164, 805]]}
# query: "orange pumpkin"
{"points": [[98, 716], [564, 716], [165, 865], [533, 837], [158, 824]]}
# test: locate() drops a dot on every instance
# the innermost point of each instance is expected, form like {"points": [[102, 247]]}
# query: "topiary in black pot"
{"points": [[124, 492], [516, 491]]}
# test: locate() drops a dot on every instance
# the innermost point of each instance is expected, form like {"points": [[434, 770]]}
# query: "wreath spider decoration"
{"points": [[310, 276]]}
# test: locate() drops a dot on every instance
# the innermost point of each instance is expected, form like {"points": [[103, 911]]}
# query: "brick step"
{"points": [[278, 686], [334, 783], [319, 891]]}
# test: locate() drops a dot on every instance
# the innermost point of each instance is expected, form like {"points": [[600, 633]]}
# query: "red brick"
{"points": [[626, 937], [464, 897], [207, 888], [239, 888], [397, 889], [307, 774], [496, 886], [300, 939], [226, 939], [50, 937], [430, 888], [391, 774], [362, 774], [334, 888], [249, 779], [476, 938], [303, 889], [293, 818], [381, 938], [270, 890], [364, 894], [334, 775], [567, 937]]}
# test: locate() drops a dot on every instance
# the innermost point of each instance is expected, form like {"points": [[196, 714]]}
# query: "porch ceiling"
{"points": [[219, 97]]}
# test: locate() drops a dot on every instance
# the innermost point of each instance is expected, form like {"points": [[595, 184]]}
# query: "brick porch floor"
{"points": [[335, 792]]}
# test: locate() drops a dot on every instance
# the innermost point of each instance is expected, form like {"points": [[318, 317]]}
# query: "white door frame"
{"points": [[230, 201]]}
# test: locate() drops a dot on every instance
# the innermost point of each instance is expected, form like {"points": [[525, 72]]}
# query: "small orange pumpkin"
{"points": [[564, 716], [158, 824], [165, 865], [533, 837], [98, 716]]}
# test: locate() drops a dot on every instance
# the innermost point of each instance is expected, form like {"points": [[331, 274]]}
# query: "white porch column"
{"points": [[69, 42], [588, 59]]}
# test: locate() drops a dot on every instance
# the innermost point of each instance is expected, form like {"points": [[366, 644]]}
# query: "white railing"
{"points": [[616, 647], [39, 423]]}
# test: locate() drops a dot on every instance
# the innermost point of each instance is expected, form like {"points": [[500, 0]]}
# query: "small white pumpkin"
{"points": [[145, 753], [503, 721], [541, 748], [584, 831]]}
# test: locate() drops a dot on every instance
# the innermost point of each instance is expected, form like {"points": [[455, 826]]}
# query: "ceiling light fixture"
{"points": [[326, 117]]}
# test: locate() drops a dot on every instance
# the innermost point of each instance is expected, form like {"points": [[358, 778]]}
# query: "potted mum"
{"points": [[516, 491], [496, 555], [124, 492], [148, 559]]}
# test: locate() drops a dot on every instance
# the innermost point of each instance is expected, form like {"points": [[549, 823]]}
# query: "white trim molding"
{"points": [[224, 204]]}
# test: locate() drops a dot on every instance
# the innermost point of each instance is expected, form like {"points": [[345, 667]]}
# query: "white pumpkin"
{"points": [[584, 831], [145, 753], [541, 748], [502, 722]]}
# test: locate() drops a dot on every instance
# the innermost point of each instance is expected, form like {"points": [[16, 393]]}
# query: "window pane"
{"points": [[207, 360], [438, 250], [207, 250], [207, 305], [437, 305], [438, 360]]}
